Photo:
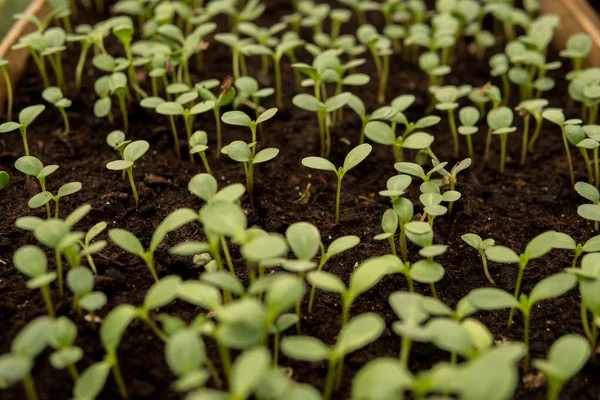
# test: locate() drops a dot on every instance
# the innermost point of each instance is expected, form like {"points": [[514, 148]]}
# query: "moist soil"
{"points": [[511, 208]]}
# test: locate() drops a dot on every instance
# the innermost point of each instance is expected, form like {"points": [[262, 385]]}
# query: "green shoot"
{"points": [[62, 339], [31, 261], [469, 117], [132, 152], [199, 145], [9, 88], [556, 116], [26, 118], [447, 97], [382, 133], [54, 96], [31, 166], [226, 96], [589, 211], [500, 120], [43, 198], [578, 48], [476, 242]]}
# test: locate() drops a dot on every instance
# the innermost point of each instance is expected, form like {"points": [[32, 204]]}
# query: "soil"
{"points": [[511, 208]]}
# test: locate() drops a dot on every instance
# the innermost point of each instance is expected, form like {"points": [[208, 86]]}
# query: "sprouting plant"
{"points": [[593, 132], [564, 241], [447, 97], [132, 152], [311, 103], [43, 198], [88, 248], [452, 177], [31, 261], [198, 145], [359, 332], [124, 32], [54, 96], [88, 36], [431, 64], [63, 333], [353, 158], [382, 113], [226, 96], [185, 355], [527, 109], [247, 87], [17, 365], [80, 281], [53, 45], [243, 152], [9, 88], [536, 248], [26, 118], [548, 288], [556, 116], [500, 120], [131, 244], [4, 179], [265, 37], [589, 211], [102, 106], [381, 49], [469, 117], [389, 225], [117, 83], [31, 166], [577, 137], [382, 133], [476, 242], [416, 170], [578, 48], [237, 46]]}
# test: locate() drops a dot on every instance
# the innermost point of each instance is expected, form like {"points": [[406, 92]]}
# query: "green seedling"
{"points": [[131, 244], [578, 48], [4, 179], [417, 171], [80, 282], [353, 158], [500, 120], [26, 118], [88, 249], [358, 333], [226, 96], [132, 152], [589, 211], [548, 288], [593, 133], [431, 64], [311, 103], [31, 166], [360, 8], [239, 118], [243, 152], [577, 136], [116, 140], [389, 225], [9, 88], [63, 333], [247, 87], [382, 133], [447, 97], [124, 32], [43, 198], [54, 96], [199, 145], [53, 45], [585, 88], [17, 365], [566, 358], [265, 37], [31, 261], [237, 47], [118, 86], [382, 113], [185, 355], [315, 15], [395, 188], [476, 242], [87, 36], [381, 49], [102, 106], [564, 241], [536, 248], [469, 117], [383, 376], [527, 109], [556, 116], [452, 178]]}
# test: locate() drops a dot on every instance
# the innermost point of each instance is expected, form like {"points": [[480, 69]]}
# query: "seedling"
{"points": [[31, 261], [527, 109], [286, 47], [359, 332], [118, 86], [381, 49], [383, 375], [31, 166], [578, 48], [88, 36], [353, 158], [556, 116], [131, 244], [53, 46], [452, 178], [237, 46], [102, 106], [416, 170], [226, 96], [593, 132], [564, 241], [382, 133], [132, 152], [500, 120], [4, 179], [476, 242], [382, 113], [243, 152], [576, 136], [80, 281], [62, 339], [88, 248], [185, 355], [447, 98], [248, 87], [389, 225], [124, 32], [536, 248], [26, 118], [431, 64], [311, 103], [469, 117], [43, 198], [9, 88], [199, 145], [589, 211], [54, 96], [548, 288]]}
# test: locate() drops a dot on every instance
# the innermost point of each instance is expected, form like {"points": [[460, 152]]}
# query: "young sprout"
{"points": [[556, 116], [452, 177], [80, 281], [226, 96], [31, 166], [381, 49], [31, 261], [26, 118], [4, 179], [237, 47], [589, 211], [88, 248], [476, 242], [527, 109], [248, 87], [315, 15], [131, 244], [578, 48], [469, 117], [118, 86], [53, 46], [311, 103], [132, 152], [243, 152], [416, 170], [124, 32], [382, 113], [239, 118], [63, 334], [431, 64], [43, 198], [102, 106], [9, 88], [382, 133], [353, 158], [548, 288], [198, 145], [185, 355], [358, 333], [576, 136], [447, 97], [500, 120], [389, 225], [593, 132], [88, 36], [54, 96], [536, 248]]}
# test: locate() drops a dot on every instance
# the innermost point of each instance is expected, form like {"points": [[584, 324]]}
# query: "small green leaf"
{"points": [[319, 163], [502, 254], [127, 241], [492, 299], [356, 156], [305, 348], [162, 292]]}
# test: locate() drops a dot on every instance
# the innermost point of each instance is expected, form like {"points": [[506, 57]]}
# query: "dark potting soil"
{"points": [[511, 208]]}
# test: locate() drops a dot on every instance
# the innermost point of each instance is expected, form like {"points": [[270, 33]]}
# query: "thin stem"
{"points": [[470, 147], [80, 65], [157, 331], [48, 300], [59, 272], [516, 294], [188, 130], [29, 387], [584, 321], [205, 162], [123, 107], [503, 141], [73, 371], [23, 131], [43, 185], [321, 132], [213, 372], [405, 350], [9, 94], [278, 94], [525, 139], [276, 349], [433, 291], [217, 113], [56, 204], [149, 259], [327, 136], [392, 244], [403, 244], [227, 255], [596, 167], [133, 189], [41, 67], [588, 165], [485, 267], [526, 340], [119, 377], [65, 120], [313, 288], [331, 369], [383, 78], [225, 360], [175, 137], [452, 123], [566, 143], [506, 86], [536, 133], [488, 146], [91, 264], [337, 198]]}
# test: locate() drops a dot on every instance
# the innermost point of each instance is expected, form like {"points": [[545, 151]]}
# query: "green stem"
{"points": [[506, 86], [276, 349], [278, 94], [73, 372], [405, 350], [526, 340], [59, 272], [327, 137], [56, 204], [313, 288], [175, 136], [584, 321], [23, 131], [485, 267], [188, 130], [29, 387], [321, 132], [392, 244], [227, 255], [596, 167], [525, 139], [205, 162], [338, 198], [503, 141], [554, 389], [80, 65], [91, 264], [536, 133], [488, 146], [41, 67], [9, 94], [213, 372], [433, 291], [119, 377], [588, 165], [65, 120], [329, 381], [149, 259], [123, 107], [516, 294], [566, 143], [383, 78], [225, 360], [470, 147], [43, 185], [452, 122], [133, 189], [48, 300], [217, 113]]}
